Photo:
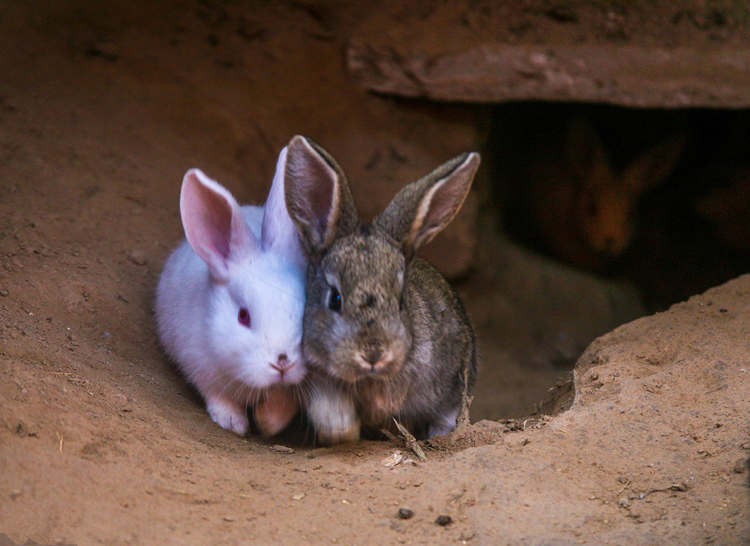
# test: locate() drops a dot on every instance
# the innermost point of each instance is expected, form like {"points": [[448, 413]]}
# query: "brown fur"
{"points": [[401, 339]]}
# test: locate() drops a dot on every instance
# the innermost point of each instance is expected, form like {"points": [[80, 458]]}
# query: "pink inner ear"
{"points": [[317, 183], [443, 205], [321, 195], [216, 220], [214, 224], [439, 210]]}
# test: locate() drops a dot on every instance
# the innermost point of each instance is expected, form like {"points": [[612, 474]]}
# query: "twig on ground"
{"points": [[624, 487], [462, 421], [411, 441]]}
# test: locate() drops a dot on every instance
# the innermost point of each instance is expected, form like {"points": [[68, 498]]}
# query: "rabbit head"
{"points": [[605, 208], [358, 322], [256, 301]]}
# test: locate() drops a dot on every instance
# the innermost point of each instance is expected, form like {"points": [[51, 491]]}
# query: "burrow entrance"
{"points": [[592, 216]]}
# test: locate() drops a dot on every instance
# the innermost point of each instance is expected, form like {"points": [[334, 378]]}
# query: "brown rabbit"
{"points": [[581, 210], [384, 334]]}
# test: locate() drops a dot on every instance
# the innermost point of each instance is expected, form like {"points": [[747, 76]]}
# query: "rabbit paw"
{"points": [[228, 416], [335, 419], [338, 430], [443, 424], [274, 413]]}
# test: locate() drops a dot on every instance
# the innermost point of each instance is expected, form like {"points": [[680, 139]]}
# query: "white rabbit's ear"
{"points": [[423, 208], [278, 233], [214, 224], [317, 195]]}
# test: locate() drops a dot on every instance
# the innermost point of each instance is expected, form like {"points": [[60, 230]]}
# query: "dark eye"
{"points": [[244, 317], [334, 300]]}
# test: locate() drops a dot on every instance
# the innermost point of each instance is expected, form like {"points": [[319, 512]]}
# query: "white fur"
{"points": [[197, 310], [333, 412]]}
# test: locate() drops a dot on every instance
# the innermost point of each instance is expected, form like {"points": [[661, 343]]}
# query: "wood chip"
{"points": [[393, 459]]}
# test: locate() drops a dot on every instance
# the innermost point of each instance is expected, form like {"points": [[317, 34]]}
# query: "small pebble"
{"points": [[405, 513], [4, 292], [22, 429], [444, 520], [138, 257], [739, 466], [282, 449]]}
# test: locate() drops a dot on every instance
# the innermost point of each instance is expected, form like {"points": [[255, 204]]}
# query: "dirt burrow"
{"points": [[101, 112]]}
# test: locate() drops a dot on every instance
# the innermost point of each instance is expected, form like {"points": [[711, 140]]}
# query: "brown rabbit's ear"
{"points": [[585, 152], [423, 208], [318, 198], [653, 167]]}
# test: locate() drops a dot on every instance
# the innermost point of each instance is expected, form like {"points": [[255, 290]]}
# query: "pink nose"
{"points": [[283, 364]]}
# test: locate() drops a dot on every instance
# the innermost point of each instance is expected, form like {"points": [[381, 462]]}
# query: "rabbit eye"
{"points": [[334, 300], [244, 317]]}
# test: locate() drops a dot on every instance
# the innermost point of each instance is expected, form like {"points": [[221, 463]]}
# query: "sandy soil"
{"points": [[101, 113]]}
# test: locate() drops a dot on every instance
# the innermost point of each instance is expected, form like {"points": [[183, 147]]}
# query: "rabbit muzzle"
{"points": [[287, 370], [374, 356], [282, 364]]}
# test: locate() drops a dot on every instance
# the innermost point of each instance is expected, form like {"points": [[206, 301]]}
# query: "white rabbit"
{"points": [[230, 301]]}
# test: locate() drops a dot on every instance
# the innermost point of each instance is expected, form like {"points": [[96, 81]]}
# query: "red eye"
{"points": [[244, 317]]}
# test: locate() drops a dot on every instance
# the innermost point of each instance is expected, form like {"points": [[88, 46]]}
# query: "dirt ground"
{"points": [[103, 109]]}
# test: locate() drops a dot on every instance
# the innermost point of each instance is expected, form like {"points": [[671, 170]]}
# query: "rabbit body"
{"points": [[229, 305], [385, 335]]}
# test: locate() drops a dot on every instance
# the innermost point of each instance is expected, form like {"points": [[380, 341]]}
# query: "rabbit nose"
{"points": [[282, 364], [372, 351]]}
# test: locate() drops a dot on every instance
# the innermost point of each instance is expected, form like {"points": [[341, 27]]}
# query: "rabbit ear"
{"points": [[214, 224], [278, 232], [317, 195], [423, 208], [585, 152], [653, 167]]}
